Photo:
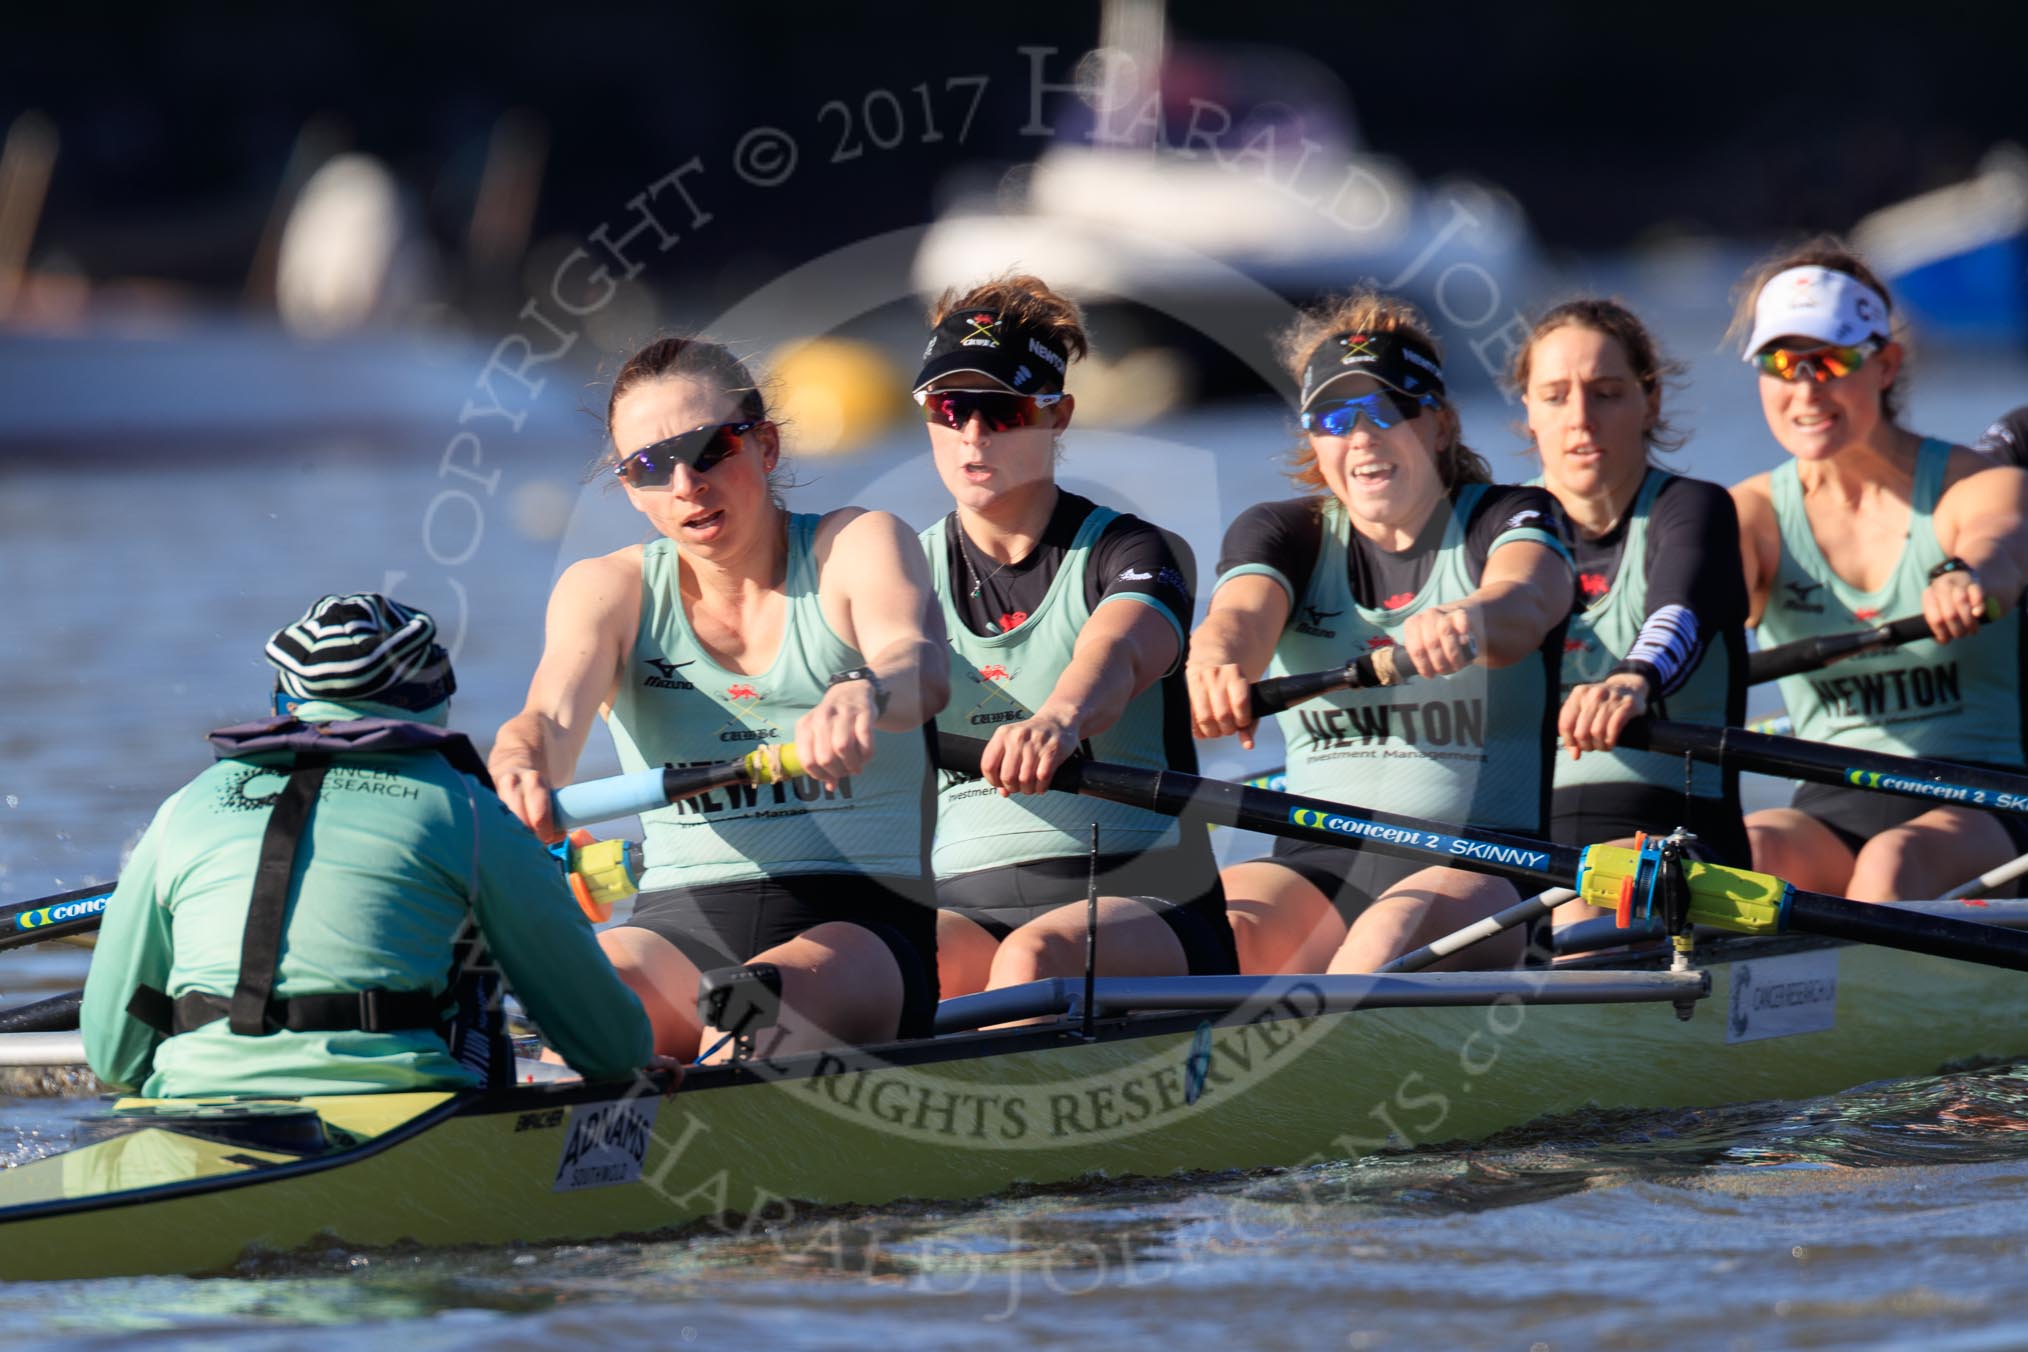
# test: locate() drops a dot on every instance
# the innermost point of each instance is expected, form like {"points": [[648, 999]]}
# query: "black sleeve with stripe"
{"points": [[1696, 588]]}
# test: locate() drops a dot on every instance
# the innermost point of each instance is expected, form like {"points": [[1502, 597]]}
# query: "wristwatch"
{"points": [[1953, 564], [864, 674]]}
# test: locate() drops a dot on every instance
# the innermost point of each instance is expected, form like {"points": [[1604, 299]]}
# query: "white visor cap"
{"points": [[1814, 302]]}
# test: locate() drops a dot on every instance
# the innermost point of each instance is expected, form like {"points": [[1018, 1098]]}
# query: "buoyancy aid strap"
{"points": [[368, 1011], [261, 950], [252, 1009]]}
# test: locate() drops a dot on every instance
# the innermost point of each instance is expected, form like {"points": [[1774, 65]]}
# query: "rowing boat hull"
{"points": [[975, 1114]]}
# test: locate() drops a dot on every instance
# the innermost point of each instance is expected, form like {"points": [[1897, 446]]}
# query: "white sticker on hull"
{"points": [[607, 1143], [1780, 997]]}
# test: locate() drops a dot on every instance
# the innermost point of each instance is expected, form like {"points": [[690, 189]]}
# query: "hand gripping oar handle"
{"points": [[599, 800], [1384, 666], [1808, 654]]}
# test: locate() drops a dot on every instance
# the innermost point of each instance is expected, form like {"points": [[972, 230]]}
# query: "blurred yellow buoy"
{"points": [[1138, 388], [832, 395]]}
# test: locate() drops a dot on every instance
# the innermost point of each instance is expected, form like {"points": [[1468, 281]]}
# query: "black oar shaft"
{"points": [[57, 917], [1942, 782], [1790, 659], [57, 1014], [1175, 794], [1913, 931], [1535, 862]]}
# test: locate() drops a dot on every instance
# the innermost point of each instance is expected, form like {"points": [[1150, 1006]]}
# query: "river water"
{"points": [[141, 578]]}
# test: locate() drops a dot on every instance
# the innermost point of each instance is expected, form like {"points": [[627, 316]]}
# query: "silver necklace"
{"points": [[965, 553]]}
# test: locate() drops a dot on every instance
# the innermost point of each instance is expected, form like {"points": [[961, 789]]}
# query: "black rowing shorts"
{"points": [[727, 924], [1855, 816], [1179, 883], [1592, 814]]}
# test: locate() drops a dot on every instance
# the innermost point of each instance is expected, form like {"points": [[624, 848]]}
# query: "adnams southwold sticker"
{"points": [[607, 1143]]}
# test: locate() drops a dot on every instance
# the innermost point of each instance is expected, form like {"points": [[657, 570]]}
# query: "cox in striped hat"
{"points": [[361, 649]]}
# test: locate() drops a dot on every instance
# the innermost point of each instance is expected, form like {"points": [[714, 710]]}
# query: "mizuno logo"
{"points": [[1799, 592], [668, 669], [1319, 616]]}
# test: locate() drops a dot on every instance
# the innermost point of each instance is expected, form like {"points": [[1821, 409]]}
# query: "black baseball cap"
{"points": [[988, 342], [1394, 359]]}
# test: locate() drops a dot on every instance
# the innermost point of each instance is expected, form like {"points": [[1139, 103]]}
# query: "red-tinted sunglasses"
{"points": [[1001, 410], [701, 448]]}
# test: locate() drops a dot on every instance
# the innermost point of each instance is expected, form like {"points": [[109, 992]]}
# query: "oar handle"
{"points": [[1384, 666], [598, 800], [1808, 654]]}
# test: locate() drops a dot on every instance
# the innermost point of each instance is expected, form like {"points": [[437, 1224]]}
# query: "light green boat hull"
{"points": [[975, 1114]]}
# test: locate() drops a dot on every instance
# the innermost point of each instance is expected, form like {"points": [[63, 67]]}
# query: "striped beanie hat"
{"points": [[363, 647]]}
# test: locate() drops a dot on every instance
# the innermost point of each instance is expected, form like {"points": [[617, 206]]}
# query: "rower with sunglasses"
{"points": [[1066, 622], [743, 624], [1868, 522], [1402, 539]]}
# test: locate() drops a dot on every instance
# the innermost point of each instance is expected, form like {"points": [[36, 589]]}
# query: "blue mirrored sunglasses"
{"points": [[1383, 408]]}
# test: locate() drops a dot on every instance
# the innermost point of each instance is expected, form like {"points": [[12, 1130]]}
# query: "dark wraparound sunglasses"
{"points": [[1001, 410], [701, 448]]}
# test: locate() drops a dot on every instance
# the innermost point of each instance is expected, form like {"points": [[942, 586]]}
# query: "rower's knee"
{"points": [[663, 980], [840, 983], [965, 951], [1891, 867], [1799, 849], [1033, 953]]}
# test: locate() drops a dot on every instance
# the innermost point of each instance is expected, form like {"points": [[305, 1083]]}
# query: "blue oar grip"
{"points": [[600, 800]]}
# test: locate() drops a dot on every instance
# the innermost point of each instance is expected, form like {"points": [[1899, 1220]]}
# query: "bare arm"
{"points": [[1979, 519], [1760, 543], [1230, 650], [591, 621], [876, 593], [1524, 593], [1122, 649]]}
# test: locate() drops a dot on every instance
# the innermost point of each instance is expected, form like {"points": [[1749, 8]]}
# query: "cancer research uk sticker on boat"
{"points": [[1780, 997], [607, 1143]]}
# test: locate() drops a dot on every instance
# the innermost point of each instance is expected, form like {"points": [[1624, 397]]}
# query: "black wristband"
{"points": [[1953, 564], [863, 674]]}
